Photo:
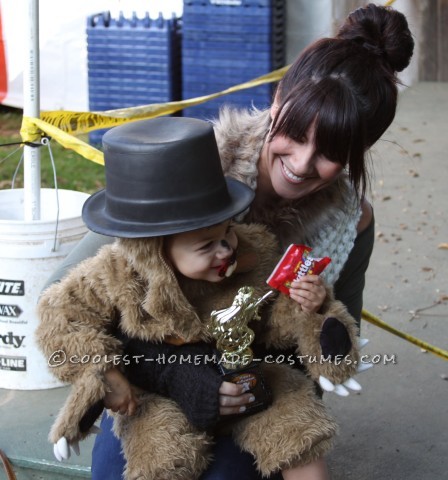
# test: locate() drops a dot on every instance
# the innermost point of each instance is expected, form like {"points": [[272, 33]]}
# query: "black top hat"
{"points": [[163, 176]]}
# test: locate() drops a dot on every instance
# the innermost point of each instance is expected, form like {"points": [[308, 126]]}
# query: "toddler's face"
{"points": [[202, 254]]}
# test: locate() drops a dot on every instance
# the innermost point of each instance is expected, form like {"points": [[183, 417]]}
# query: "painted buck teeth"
{"points": [[230, 269]]}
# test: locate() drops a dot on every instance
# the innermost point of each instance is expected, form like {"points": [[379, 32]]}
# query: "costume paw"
{"points": [[342, 389], [334, 338], [62, 448]]}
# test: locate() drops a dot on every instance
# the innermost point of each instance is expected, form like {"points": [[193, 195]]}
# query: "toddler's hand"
{"points": [[309, 291], [121, 396]]}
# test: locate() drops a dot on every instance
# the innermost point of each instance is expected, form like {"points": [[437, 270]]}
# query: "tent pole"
{"points": [[31, 108]]}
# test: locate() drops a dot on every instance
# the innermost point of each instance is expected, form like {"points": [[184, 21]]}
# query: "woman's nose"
{"points": [[304, 160]]}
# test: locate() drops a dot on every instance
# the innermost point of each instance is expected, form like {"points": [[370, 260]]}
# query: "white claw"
{"points": [[362, 342], [363, 367], [61, 449], [56, 453], [341, 391], [352, 384], [326, 384]]}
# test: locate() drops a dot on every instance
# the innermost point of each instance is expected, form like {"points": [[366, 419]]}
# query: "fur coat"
{"points": [[130, 283]]}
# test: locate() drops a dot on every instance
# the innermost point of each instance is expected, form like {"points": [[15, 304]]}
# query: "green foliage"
{"points": [[73, 171]]}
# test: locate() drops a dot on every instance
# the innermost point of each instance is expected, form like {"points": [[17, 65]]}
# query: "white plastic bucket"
{"points": [[29, 252]]}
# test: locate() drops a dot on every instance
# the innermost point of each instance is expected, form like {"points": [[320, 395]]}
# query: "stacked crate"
{"points": [[131, 61], [228, 42]]}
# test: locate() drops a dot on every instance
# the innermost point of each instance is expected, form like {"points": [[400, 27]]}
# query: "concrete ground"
{"points": [[397, 427]]}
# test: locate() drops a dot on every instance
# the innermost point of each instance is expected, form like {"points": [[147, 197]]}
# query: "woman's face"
{"points": [[292, 170], [202, 254]]}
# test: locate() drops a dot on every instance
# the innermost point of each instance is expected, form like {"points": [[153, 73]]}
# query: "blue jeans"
{"points": [[108, 461]]}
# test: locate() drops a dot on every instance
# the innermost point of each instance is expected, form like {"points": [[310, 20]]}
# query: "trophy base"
{"points": [[253, 377]]}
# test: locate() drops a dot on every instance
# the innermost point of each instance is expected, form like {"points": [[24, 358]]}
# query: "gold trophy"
{"points": [[229, 327]]}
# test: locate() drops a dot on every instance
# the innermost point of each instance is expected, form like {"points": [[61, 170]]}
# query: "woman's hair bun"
{"points": [[383, 32]]}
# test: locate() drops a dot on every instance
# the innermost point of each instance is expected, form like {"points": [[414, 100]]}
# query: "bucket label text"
{"points": [[15, 364], [12, 340], [10, 311], [12, 287]]}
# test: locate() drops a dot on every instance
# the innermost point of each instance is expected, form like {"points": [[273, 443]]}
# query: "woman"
{"points": [[306, 160]]}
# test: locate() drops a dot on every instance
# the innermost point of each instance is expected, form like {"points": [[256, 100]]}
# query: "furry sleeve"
{"points": [[76, 319], [325, 342]]}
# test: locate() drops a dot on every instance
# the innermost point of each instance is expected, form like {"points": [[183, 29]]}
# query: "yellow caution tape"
{"points": [[61, 125], [83, 122], [416, 341], [57, 123], [30, 134]]}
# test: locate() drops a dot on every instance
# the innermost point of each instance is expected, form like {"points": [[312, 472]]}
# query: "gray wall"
{"points": [[308, 20]]}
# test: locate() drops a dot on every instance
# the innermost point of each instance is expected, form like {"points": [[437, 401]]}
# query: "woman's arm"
{"points": [[350, 285]]}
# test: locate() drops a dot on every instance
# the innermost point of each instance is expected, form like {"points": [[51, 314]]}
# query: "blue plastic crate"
{"points": [[210, 110], [277, 38], [269, 16], [203, 44], [228, 74], [225, 43], [232, 55], [260, 93], [132, 61], [259, 97], [234, 7]]}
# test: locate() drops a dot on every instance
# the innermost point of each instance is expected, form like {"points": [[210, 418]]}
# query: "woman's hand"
{"points": [[233, 398], [121, 396], [309, 291]]}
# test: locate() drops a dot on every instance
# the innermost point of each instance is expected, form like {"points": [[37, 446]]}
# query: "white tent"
{"points": [[63, 48]]}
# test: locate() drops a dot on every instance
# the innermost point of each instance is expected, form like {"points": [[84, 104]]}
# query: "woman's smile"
{"points": [[291, 177], [292, 170]]}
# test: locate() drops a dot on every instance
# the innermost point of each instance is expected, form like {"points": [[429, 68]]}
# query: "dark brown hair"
{"points": [[347, 85]]}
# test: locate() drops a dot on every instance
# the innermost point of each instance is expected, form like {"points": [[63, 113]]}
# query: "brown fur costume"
{"points": [[130, 281]]}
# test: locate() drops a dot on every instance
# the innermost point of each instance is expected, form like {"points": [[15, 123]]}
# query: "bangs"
{"points": [[330, 107]]}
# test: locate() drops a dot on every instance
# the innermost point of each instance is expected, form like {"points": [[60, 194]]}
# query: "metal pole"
{"points": [[31, 108]]}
